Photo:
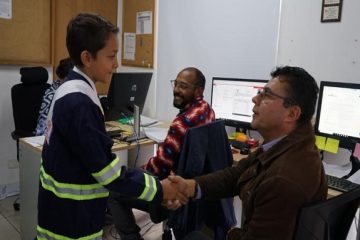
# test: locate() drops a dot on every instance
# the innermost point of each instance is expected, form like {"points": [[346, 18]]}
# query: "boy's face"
{"points": [[101, 68]]}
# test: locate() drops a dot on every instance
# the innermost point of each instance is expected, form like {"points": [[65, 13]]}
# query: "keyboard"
{"points": [[340, 184], [239, 145], [114, 133]]}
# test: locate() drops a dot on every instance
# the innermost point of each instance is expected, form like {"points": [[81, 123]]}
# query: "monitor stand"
{"points": [[355, 166], [241, 129], [137, 134], [355, 162]]}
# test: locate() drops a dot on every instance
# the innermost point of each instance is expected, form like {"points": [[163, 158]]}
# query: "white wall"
{"points": [[233, 38], [9, 75], [328, 51]]}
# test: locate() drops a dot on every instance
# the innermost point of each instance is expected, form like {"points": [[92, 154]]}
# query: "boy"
{"points": [[77, 164]]}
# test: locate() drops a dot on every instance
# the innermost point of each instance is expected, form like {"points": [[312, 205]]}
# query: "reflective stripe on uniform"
{"points": [[44, 234], [109, 173], [150, 188], [72, 191]]}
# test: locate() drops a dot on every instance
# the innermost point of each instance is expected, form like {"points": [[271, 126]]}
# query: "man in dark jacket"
{"points": [[284, 174]]}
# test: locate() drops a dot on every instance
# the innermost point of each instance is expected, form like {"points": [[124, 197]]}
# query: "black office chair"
{"points": [[330, 219], [205, 149], [26, 101]]}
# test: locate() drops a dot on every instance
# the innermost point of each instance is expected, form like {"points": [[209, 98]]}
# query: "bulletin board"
{"points": [[138, 33], [25, 38]]}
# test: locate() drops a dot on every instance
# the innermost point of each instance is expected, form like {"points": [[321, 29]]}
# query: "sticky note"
{"points": [[320, 142], [332, 145], [357, 150]]}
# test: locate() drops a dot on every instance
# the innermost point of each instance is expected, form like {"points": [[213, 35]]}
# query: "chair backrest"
{"points": [[205, 149], [26, 99], [330, 219]]}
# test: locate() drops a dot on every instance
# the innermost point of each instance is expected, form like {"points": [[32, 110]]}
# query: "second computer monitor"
{"points": [[338, 112], [231, 99], [126, 90]]}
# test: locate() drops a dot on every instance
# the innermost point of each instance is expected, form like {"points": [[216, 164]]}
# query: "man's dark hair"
{"points": [[200, 78], [65, 65], [89, 32], [301, 87]]}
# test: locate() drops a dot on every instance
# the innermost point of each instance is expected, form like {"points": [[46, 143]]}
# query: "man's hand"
{"points": [[171, 193], [184, 186]]}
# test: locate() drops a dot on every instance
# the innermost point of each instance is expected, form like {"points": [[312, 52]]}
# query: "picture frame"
{"points": [[331, 10]]}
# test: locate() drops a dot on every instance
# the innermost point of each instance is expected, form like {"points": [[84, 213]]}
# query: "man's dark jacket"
{"points": [[273, 185]]}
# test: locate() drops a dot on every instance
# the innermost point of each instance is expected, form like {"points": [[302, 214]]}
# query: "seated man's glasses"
{"points": [[182, 85], [266, 93]]}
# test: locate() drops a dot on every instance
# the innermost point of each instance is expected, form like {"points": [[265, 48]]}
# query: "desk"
{"points": [[29, 181]]}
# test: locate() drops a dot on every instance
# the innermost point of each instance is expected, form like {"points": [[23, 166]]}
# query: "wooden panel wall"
{"points": [[26, 38]]}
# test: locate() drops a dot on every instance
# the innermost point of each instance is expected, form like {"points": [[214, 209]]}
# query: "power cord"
{"points": [[16, 204]]}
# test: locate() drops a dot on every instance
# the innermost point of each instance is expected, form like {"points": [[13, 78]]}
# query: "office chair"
{"points": [[205, 149], [330, 219], [26, 101]]}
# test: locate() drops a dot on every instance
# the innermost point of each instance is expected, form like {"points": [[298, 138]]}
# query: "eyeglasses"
{"points": [[266, 93], [182, 85]]}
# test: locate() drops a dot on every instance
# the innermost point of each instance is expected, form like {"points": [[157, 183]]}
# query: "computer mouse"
{"points": [[244, 151]]}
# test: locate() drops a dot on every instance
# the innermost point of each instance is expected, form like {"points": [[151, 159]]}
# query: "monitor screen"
{"points": [[338, 111], [125, 91], [231, 99]]}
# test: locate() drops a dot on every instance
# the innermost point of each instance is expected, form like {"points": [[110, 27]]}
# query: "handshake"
{"points": [[177, 191]]}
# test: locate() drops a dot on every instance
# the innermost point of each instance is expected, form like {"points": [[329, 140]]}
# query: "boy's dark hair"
{"points": [[87, 31], [65, 65], [302, 89], [200, 78]]}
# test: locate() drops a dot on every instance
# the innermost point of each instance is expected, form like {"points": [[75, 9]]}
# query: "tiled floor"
{"points": [[9, 220], [10, 224]]}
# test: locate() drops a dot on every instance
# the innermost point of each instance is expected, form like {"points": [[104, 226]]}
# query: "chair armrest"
{"points": [[16, 134]]}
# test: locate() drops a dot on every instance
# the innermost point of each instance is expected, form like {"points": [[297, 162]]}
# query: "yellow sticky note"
{"points": [[320, 142], [332, 145]]}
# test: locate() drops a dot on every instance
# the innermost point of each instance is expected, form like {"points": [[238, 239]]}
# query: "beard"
{"points": [[179, 102]]}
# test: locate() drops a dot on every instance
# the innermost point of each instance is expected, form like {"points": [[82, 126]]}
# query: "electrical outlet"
{"points": [[13, 164]]}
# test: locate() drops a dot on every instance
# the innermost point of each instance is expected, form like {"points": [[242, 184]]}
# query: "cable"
{"points": [[147, 230], [356, 224], [16, 204]]}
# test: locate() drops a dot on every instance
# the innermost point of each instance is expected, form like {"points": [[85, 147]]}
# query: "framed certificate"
{"points": [[331, 10]]}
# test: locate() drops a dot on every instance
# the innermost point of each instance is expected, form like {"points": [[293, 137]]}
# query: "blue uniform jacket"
{"points": [[78, 166]]}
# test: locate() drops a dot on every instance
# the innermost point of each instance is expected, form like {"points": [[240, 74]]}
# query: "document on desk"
{"points": [[336, 170], [36, 141], [157, 134], [355, 178], [147, 121]]}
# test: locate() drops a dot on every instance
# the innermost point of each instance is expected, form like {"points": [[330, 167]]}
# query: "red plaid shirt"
{"points": [[195, 114]]}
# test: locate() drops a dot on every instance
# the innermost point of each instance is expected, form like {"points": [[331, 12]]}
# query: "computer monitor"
{"points": [[338, 112], [231, 99], [125, 91]]}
